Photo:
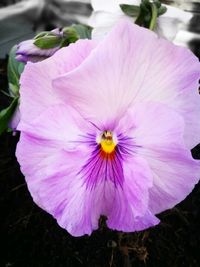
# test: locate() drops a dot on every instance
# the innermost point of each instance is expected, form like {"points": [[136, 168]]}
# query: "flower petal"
{"points": [[158, 132], [103, 87], [51, 175], [129, 210], [55, 183], [139, 67], [169, 80], [36, 90], [61, 124]]}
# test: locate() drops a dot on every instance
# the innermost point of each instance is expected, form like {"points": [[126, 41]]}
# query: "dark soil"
{"points": [[31, 238]]}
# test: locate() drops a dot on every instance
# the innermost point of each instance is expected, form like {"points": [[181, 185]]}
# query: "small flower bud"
{"points": [[44, 45]]}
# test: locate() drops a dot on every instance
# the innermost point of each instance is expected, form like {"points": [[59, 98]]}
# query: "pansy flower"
{"points": [[107, 128]]}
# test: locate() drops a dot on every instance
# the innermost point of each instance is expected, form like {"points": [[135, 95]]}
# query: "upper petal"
{"points": [[36, 80], [139, 67], [105, 84]]}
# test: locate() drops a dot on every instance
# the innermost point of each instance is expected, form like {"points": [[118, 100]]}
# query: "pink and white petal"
{"points": [[59, 123], [158, 134], [129, 211], [54, 180], [172, 79], [83, 211], [153, 124], [36, 89], [175, 175], [51, 175], [106, 83]]}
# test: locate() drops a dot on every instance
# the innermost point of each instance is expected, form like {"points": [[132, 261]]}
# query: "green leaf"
{"points": [[48, 42], [83, 31], [162, 10], [130, 10], [6, 114], [14, 70]]}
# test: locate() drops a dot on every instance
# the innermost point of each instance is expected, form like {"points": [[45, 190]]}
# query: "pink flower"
{"points": [[107, 128]]}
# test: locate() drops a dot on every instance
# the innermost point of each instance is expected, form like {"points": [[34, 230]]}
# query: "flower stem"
{"points": [[154, 12]]}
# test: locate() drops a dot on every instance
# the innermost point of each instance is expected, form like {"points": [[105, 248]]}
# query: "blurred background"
{"points": [[19, 20]]}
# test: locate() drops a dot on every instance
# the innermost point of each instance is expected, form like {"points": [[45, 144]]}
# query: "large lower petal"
{"points": [[36, 89], [58, 184], [139, 67]]}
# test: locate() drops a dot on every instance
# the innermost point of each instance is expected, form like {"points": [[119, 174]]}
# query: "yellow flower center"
{"points": [[107, 143]]}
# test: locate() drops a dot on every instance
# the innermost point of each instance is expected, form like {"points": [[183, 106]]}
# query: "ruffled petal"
{"points": [[51, 175], [106, 83], [57, 185], [59, 123], [157, 132], [173, 79], [175, 175], [129, 211], [36, 89], [139, 67]]}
